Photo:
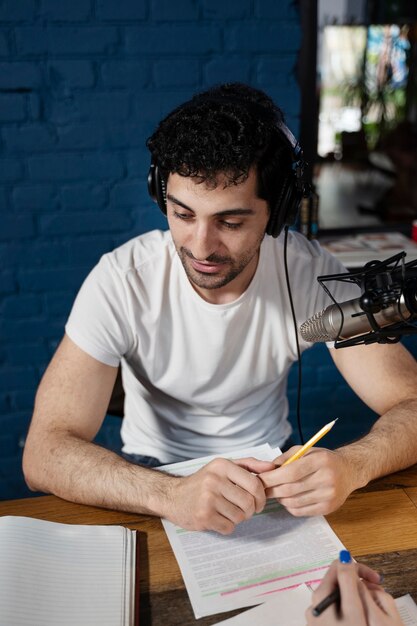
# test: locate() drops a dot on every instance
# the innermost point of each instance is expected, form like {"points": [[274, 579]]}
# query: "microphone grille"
{"points": [[314, 328]]}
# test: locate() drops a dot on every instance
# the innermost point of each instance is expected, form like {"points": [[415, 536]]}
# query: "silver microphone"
{"points": [[329, 325]]}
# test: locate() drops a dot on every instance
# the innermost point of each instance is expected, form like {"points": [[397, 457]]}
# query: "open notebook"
{"points": [[66, 574]]}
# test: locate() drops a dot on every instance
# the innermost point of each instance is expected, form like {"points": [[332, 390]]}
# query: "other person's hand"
{"points": [[316, 484], [219, 496], [363, 602]]}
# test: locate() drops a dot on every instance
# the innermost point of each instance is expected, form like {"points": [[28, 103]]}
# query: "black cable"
{"points": [[287, 278]]}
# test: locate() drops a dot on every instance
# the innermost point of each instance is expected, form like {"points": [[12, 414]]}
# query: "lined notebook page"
{"points": [[65, 574]]}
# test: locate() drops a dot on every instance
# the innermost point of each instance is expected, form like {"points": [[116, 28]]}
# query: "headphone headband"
{"points": [[295, 185]]}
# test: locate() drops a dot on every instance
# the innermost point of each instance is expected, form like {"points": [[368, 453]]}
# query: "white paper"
{"points": [[271, 551], [407, 609], [65, 574], [287, 608]]}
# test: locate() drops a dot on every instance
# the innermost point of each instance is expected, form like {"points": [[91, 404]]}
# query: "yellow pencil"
{"points": [[310, 443]]}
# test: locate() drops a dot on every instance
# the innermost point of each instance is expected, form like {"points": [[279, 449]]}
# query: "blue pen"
{"points": [[344, 557]]}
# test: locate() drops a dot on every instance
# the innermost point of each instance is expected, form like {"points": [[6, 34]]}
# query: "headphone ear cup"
{"points": [[286, 208], [156, 187]]}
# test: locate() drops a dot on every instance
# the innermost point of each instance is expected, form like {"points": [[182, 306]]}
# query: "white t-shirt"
{"points": [[199, 378]]}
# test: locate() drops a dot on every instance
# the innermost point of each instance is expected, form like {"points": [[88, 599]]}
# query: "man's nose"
{"points": [[204, 241]]}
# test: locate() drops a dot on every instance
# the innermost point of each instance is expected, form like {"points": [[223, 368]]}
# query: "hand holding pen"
{"points": [[350, 594]]}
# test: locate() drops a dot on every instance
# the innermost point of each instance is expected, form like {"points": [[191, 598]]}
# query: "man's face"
{"points": [[217, 233]]}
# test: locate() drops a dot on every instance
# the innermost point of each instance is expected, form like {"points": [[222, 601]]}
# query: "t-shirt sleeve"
{"points": [[99, 320]]}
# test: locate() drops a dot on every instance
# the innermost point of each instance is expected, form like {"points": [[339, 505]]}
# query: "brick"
{"points": [[35, 106], [12, 107], [4, 45], [103, 106], [221, 10], [38, 254], [10, 169], [173, 39], [29, 138], [17, 10], [73, 73], [87, 196], [17, 378], [133, 75], [63, 111], [15, 425], [288, 98], [121, 10], [19, 75], [14, 486], [83, 222], [270, 9], [89, 250], [127, 193], [87, 40], [44, 197], [227, 69], [66, 167], [174, 73], [277, 70], [151, 107], [31, 40], [19, 354], [137, 163], [59, 304], [148, 219], [20, 306], [3, 200], [180, 10], [23, 400], [5, 405], [258, 37], [7, 445], [57, 279], [74, 10], [130, 135], [329, 375], [411, 344], [7, 282], [82, 136], [16, 226]]}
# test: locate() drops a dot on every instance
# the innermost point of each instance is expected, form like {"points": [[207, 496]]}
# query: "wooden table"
{"points": [[377, 524]]}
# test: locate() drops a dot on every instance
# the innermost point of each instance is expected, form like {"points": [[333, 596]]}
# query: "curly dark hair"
{"points": [[225, 130]]}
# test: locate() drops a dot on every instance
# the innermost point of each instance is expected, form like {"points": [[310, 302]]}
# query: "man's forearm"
{"points": [[391, 445], [83, 472]]}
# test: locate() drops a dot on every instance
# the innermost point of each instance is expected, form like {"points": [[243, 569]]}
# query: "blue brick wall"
{"points": [[82, 84]]}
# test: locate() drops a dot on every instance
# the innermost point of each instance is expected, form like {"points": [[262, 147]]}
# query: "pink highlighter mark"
{"points": [[273, 580]]}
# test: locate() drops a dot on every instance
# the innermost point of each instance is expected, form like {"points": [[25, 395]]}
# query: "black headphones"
{"points": [[284, 211]]}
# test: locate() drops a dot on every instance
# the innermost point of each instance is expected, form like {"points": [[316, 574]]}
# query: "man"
{"points": [[199, 318]]}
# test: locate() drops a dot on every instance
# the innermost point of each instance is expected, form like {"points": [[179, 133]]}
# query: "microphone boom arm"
{"points": [[384, 284]]}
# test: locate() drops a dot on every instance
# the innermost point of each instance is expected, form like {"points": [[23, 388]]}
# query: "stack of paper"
{"points": [[270, 552]]}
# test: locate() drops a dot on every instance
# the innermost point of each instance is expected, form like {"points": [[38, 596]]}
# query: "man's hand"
{"points": [[219, 496], [316, 484]]}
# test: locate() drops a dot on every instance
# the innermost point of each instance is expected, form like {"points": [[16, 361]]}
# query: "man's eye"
{"points": [[232, 225], [182, 216]]}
